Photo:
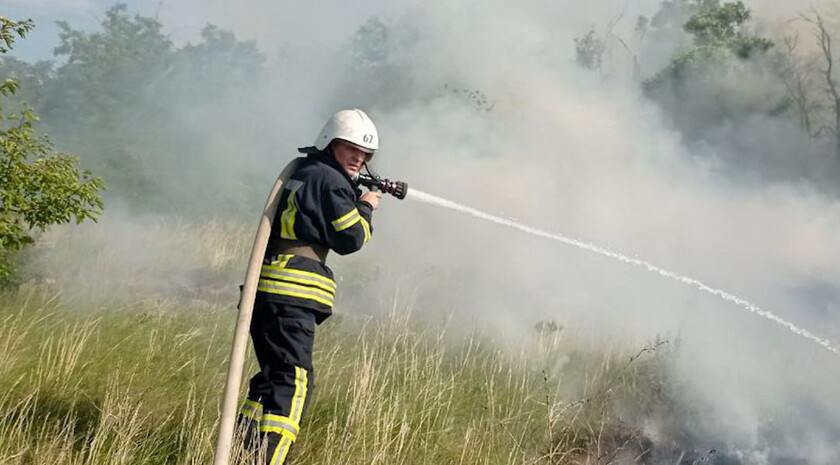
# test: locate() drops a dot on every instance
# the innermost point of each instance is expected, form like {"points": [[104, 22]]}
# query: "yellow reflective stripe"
{"points": [[347, 220], [288, 277], [251, 409], [278, 264], [308, 274], [299, 398], [296, 287], [291, 274], [295, 290], [366, 228], [287, 436], [323, 290], [279, 430], [346, 217], [272, 420], [279, 455], [277, 269], [279, 427], [251, 405], [349, 224], [281, 267], [287, 218], [281, 261]]}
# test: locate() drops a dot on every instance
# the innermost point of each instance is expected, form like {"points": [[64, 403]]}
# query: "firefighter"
{"points": [[320, 208]]}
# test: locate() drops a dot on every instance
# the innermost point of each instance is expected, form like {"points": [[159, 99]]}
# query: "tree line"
{"points": [[110, 99], [144, 113], [721, 72]]}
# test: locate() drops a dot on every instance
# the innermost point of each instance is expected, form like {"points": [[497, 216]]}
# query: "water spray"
{"points": [[400, 190], [743, 303]]}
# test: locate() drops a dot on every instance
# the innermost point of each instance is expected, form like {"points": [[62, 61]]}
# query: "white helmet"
{"points": [[354, 126]]}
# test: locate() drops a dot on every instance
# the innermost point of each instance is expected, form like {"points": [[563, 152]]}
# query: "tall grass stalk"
{"points": [[140, 384]]}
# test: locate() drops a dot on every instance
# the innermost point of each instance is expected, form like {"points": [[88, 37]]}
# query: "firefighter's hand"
{"points": [[372, 198]]}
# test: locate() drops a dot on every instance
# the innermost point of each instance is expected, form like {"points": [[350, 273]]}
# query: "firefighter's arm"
{"points": [[349, 221]]}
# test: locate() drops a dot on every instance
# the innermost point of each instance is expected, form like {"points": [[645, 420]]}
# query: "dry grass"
{"points": [[116, 355], [141, 383]]}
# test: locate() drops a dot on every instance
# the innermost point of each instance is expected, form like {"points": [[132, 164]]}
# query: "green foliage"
{"points": [[717, 24], [721, 26], [9, 29], [38, 187], [220, 60], [115, 68], [718, 36], [703, 84], [8, 87], [143, 113], [35, 75]]}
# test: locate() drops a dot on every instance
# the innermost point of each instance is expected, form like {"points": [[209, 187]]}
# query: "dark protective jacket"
{"points": [[319, 204]]}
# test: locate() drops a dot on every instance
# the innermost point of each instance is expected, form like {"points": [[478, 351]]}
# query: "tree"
{"points": [[704, 85], [589, 50], [810, 80], [218, 62], [38, 187], [10, 30], [35, 75], [796, 73], [144, 113], [719, 34], [831, 87], [370, 44], [722, 26], [112, 70]]}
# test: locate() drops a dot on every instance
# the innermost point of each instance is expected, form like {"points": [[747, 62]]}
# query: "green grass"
{"points": [[140, 384], [109, 359]]}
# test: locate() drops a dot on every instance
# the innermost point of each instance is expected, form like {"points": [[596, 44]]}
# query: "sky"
{"points": [[185, 19], [38, 45]]}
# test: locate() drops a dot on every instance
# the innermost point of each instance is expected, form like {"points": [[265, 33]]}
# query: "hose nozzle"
{"points": [[372, 181]]}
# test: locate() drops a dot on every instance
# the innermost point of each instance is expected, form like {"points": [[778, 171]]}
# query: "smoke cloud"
{"points": [[482, 103]]}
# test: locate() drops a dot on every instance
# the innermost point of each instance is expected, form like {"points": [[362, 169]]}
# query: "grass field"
{"points": [[90, 380]]}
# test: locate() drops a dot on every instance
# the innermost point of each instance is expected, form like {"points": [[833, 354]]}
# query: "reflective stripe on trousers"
{"points": [[286, 427], [251, 410]]}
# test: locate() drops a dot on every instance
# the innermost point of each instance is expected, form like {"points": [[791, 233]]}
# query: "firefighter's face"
{"points": [[350, 157]]}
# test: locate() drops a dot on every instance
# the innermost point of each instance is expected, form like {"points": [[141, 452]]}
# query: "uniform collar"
{"points": [[326, 157]]}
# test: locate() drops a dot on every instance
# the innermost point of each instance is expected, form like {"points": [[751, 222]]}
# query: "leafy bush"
{"points": [[38, 187]]}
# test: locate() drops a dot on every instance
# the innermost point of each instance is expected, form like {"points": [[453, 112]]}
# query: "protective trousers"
{"points": [[283, 336]]}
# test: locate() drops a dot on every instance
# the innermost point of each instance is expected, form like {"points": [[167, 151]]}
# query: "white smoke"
{"points": [[482, 103]]}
